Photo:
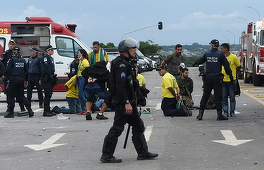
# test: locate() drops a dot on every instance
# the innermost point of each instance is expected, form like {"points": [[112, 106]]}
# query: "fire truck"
{"points": [[252, 53], [40, 32]]}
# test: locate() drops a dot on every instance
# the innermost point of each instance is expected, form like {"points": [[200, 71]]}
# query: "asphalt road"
{"points": [[183, 143]]}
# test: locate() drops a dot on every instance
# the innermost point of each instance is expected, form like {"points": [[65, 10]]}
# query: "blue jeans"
{"points": [[168, 106], [74, 106], [229, 90], [81, 82]]}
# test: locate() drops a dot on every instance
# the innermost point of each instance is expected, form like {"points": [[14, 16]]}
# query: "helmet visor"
{"points": [[131, 43]]}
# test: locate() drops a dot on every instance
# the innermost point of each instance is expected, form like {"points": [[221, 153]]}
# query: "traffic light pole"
{"points": [[159, 27]]}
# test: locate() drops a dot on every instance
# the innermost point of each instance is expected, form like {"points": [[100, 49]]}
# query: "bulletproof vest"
{"points": [[130, 78], [34, 65], [18, 65], [213, 63], [49, 66]]}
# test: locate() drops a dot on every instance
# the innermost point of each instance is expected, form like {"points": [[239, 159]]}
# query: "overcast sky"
{"points": [[184, 22]]}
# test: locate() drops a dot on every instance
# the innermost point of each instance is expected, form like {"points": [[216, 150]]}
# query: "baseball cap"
{"points": [[34, 49], [16, 48], [182, 65], [160, 67], [49, 47], [215, 42], [12, 41]]}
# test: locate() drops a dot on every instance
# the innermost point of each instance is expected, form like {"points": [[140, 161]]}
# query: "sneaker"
{"points": [[103, 159], [88, 116], [81, 113], [233, 115], [147, 156], [101, 117], [55, 109]]}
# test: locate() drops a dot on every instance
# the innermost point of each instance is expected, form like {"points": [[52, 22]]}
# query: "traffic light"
{"points": [[160, 26]]}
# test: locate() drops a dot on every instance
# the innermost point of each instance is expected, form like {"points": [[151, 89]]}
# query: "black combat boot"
{"points": [[40, 105], [10, 114], [30, 111], [200, 116], [220, 116], [108, 150], [141, 147], [47, 112], [22, 108]]}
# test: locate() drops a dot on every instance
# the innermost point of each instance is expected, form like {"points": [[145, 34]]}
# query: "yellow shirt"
{"points": [[82, 65], [168, 80], [141, 80], [233, 63], [97, 57], [72, 89]]}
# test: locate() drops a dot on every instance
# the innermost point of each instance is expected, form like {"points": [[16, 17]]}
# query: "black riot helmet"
{"points": [[124, 45]]}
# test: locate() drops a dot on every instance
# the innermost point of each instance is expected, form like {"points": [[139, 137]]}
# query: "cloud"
{"points": [[32, 11], [199, 20]]}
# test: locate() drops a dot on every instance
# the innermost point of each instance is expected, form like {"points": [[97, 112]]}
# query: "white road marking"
{"points": [[148, 132], [230, 139], [158, 106], [48, 143]]}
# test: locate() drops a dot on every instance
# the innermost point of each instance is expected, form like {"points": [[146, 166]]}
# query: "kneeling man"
{"points": [[170, 93]]}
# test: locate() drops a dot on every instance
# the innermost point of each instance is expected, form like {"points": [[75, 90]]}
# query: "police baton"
{"points": [[128, 129]]}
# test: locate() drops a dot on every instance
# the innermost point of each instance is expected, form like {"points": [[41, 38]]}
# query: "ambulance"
{"points": [[252, 53], [39, 32]]}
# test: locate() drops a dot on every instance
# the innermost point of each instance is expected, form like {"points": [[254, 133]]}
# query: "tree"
{"points": [[108, 45], [149, 48]]}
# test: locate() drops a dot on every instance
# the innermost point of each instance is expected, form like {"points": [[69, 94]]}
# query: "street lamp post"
{"points": [[227, 39], [233, 35], [243, 19], [255, 10]]}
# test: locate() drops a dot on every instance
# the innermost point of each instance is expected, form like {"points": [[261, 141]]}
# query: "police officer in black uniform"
{"points": [[74, 67], [214, 59], [34, 72], [16, 68], [123, 87], [47, 80], [4, 58]]}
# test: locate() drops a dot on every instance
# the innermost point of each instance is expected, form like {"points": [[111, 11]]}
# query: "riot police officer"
{"points": [[47, 79], [4, 58], [16, 68], [34, 70], [214, 59], [123, 85]]}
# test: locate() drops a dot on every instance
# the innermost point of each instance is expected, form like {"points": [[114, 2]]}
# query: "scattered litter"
{"points": [[62, 117], [147, 111], [244, 104], [43, 129]]}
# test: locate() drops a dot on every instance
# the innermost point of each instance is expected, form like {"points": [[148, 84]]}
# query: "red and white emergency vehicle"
{"points": [[40, 32], [252, 53]]}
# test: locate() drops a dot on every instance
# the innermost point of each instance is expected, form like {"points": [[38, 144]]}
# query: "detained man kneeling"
{"points": [[171, 94]]}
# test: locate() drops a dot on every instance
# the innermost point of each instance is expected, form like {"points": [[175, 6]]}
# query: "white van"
{"points": [[39, 32]]}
